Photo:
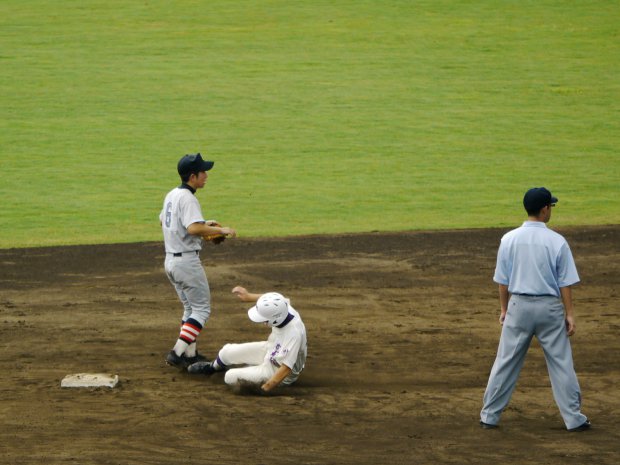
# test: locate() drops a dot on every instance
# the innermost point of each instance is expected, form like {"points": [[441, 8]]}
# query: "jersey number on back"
{"points": [[168, 214]]}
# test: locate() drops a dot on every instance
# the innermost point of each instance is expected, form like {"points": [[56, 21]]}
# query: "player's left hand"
{"points": [[240, 292]]}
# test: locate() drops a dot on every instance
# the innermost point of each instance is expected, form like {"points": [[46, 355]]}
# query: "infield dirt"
{"points": [[402, 334]]}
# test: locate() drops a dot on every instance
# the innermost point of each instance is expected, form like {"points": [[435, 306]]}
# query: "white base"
{"points": [[90, 380]]}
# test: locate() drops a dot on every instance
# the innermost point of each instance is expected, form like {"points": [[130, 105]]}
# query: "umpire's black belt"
{"points": [[538, 295], [180, 254]]}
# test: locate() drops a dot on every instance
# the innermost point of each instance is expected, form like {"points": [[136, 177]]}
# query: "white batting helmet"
{"points": [[271, 308]]}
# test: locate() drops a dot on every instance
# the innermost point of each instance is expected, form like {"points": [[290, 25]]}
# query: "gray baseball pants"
{"points": [[190, 281], [543, 317]]}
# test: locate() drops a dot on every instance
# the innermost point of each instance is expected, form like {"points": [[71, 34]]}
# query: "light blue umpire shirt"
{"points": [[534, 260]]}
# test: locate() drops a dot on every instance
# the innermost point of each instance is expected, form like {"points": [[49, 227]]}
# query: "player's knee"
{"points": [[230, 377], [200, 316], [223, 353]]}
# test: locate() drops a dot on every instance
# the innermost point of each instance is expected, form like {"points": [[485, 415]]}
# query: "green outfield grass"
{"points": [[322, 116]]}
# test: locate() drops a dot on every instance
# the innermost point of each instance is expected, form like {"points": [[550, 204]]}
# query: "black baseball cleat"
{"points": [[488, 425], [201, 368], [582, 427], [195, 359], [175, 360]]}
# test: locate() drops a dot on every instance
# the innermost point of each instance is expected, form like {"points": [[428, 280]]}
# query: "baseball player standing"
{"points": [[535, 271], [278, 360], [183, 227]]}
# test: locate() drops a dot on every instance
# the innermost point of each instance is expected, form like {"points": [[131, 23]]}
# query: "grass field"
{"points": [[323, 116]]}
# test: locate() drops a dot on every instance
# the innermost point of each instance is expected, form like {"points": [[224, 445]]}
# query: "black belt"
{"points": [[180, 254], [538, 295]]}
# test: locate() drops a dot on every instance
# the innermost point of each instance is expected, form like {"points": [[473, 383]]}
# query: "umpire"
{"points": [[535, 271]]}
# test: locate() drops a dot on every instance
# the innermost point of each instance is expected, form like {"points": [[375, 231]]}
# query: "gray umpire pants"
{"points": [[544, 318]]}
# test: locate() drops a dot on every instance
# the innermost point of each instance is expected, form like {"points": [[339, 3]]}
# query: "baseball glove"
{"points": [[214, 238]]}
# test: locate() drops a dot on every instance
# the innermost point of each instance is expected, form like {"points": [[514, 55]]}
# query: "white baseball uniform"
{"points": [[286, 345]]}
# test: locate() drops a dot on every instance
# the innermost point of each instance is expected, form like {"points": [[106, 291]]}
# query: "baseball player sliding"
{"points": [[184, 227], [278, 360]]}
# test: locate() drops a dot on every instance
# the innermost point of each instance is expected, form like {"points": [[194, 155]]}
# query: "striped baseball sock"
{"points": [[189, 332]]}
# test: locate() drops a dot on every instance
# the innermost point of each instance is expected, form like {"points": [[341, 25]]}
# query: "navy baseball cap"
{"points": [[193, 163], [537, 198]]}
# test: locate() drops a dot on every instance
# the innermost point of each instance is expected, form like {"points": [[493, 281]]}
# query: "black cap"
{"points": [[537, 198], [193, 163]]}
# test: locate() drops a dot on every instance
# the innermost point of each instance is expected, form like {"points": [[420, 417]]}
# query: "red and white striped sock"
{"points": [[189, 332]]}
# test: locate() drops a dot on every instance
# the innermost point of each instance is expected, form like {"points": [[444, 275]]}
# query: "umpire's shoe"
{"points": [[488, 425], [175, 360], [582, 427], [204, 368]]}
